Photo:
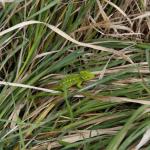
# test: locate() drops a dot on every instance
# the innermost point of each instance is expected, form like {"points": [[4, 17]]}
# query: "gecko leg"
{"points": [[79, 84]]}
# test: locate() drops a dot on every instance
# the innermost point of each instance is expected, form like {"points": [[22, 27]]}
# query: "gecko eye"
{"points": [[86, 75]]}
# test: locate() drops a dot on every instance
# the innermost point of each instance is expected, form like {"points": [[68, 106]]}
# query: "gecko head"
{"points": [[86, 75]]}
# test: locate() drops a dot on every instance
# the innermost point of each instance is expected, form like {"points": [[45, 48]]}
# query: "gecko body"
{"points": [[75, 79]]}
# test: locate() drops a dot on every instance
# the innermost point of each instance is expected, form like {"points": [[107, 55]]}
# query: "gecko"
{"points": [[75, 79]]}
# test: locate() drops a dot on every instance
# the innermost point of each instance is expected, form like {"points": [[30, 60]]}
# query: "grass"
{"points": [[41, 42]]}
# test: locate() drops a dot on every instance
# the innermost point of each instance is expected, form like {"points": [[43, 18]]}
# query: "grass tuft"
{"points": [[41, 42]]}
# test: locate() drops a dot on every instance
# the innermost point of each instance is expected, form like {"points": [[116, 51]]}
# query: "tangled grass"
{"points": [[43, 40]]}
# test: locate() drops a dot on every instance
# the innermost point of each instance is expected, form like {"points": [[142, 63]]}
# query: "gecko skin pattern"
{"points": [[75, 80]]}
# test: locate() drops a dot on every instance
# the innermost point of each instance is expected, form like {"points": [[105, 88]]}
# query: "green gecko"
{"points": [[71, 80], [75, 80]]}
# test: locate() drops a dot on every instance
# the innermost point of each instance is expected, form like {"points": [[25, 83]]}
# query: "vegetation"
{"points": [[43, 40]]}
